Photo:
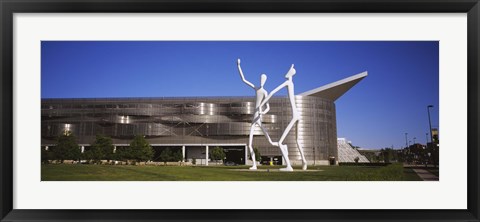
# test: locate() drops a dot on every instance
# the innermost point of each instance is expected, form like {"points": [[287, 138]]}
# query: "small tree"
{"points": [[66, 148], [105, 144], [165, 156], [123, 154], [102, 149], [217, 153], [86, 156], [93, 155], [178, 156], [141, 149]]}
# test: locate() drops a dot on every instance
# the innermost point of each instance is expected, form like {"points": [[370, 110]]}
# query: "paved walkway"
{"points": [[425, 175]]}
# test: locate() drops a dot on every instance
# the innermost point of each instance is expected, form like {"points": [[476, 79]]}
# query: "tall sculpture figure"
{"points": [[295, 119], [261, 94]]}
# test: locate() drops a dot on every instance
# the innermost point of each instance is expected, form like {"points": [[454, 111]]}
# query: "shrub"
{"points": [[217, 153]]}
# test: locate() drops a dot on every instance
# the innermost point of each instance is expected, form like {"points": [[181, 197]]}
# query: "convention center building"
{"points": [[197, 124]]}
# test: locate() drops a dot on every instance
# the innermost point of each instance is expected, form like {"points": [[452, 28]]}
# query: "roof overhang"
{"points": [[336, 89]]}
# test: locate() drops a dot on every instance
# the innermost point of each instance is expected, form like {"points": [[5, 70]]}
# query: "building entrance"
{"points": [[235, 154]]}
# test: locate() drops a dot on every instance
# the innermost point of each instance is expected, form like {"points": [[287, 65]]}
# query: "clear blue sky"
{"points": [[403, 77]]}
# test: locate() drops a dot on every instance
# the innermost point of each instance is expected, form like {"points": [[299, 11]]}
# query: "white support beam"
{"points": [[82, 149], [206, 156], [183, 153], [246, 154], [114, 149]]}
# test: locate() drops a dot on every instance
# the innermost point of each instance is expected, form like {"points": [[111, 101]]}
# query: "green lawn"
{"points": [[67, 172]]}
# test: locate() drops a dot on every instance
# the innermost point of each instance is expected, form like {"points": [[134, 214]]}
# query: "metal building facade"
{"points": [[199, 120]]}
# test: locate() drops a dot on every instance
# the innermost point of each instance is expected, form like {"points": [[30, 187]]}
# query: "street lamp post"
{"points": [[426, 148], [424, 155], [406, 146], [431, 136]]}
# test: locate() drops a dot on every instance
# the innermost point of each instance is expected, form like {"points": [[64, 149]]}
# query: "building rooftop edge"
{"points": [[317, 92], [155, 98]]}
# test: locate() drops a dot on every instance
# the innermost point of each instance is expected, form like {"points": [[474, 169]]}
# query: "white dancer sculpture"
{"points": [[261, 94], [295, 119]]}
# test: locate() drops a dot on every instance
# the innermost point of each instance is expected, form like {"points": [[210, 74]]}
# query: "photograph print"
{"points": [[240, 111]]}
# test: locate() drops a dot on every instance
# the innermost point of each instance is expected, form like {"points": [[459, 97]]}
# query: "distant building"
{"points": [[197, 124], [435, 135]]}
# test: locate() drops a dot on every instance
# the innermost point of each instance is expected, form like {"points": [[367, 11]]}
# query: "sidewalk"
{"points": [[425, 175]]}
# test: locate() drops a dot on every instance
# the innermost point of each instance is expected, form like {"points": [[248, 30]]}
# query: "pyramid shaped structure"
{"points": [[347, 154]]}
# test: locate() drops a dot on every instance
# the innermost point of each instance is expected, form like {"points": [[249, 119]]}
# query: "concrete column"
{"points": [[183, 153], [83, 149], [246, 154], [46, 148], [206, 156], [114, 149]]}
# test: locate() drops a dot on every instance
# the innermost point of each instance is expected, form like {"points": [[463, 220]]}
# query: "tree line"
{"points": [[67, 148]]}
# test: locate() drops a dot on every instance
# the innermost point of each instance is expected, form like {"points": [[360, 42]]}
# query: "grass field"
{"points": [[76, 172]]}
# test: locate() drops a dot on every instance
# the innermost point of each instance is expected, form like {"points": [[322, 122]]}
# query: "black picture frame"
{"points": [[9, 7]]}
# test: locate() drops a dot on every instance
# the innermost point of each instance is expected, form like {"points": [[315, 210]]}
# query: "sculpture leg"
{"points": [[252, 153], [300, 148], [268, 136], [284, 148], [287, 130]]}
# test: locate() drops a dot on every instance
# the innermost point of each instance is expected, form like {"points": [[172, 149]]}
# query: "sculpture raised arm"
{"points": [[243, 77], [289, 75]]}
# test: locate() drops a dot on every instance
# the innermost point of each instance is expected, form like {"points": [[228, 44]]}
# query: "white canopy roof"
{"points": [[336, 89]]}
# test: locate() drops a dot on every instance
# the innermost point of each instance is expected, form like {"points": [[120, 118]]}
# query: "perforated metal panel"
{"points": [[199, 120]]}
